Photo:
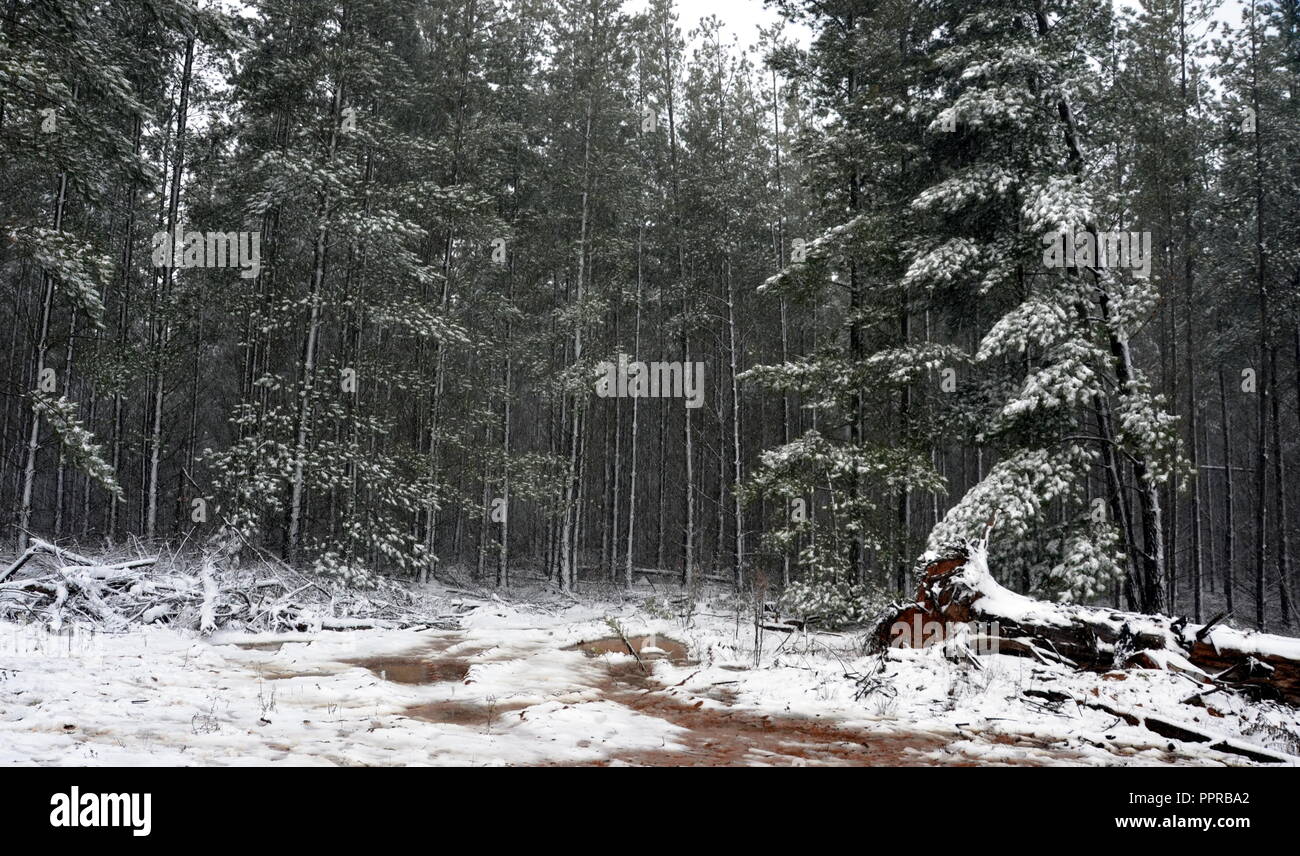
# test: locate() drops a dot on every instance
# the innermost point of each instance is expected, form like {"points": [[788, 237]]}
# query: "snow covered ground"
{"points": [[515, 686]]}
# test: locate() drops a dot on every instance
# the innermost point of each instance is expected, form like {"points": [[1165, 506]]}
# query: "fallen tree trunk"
{"points": [[1168, 728], [39, 546], [958, 595], [222, 546]]}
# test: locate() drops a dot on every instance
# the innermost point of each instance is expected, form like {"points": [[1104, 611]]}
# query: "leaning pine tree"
{"points": [[1016, 206]]}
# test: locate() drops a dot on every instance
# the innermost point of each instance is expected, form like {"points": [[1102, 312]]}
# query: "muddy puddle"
{"points": [[427, 665], [649, 647], [415, 669], [472, 714]]}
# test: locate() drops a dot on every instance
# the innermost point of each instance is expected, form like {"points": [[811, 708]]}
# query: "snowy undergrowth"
{"points": [[521, 694]]}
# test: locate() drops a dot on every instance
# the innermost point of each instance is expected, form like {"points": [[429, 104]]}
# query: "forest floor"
{"points": [[545, 679]]}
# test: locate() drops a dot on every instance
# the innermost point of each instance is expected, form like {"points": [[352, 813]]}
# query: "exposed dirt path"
{"points": [[729, 737], [715, 732]]}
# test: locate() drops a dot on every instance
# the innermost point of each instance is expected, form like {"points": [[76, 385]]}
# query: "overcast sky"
{"points": [[741, 17], [744, 17]]}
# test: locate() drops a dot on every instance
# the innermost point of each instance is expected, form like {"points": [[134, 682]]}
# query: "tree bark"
{"points": [[161, 326], [308, 380], [957, 591], [42, 348], [636, 351]]}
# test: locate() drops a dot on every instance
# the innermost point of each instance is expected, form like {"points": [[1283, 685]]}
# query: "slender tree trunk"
{"points": [[485, 509], [13, 367], [1229, 547], [61, 475], [661, 495], [780, 265], [1119, 505], [738, 559], [609, 539], [507, 389], [632, 473], [1193, 418], [904, 492], [1264, 383], [161, 326], [42, 349], [1279, 480], [570, 546], [688, 483], [303, 419], [720, 507]]}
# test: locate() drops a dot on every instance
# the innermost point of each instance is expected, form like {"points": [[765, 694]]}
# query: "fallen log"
{"points": [[39, 546], [92, 592], [222, 546], [18, 562], [957, 593], [1182, 732]]}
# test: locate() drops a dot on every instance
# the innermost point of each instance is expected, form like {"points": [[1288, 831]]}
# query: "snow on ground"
{"points": [[511, 687]]}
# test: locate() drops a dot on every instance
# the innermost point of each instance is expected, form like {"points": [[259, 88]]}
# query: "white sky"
{"points": [[740, 17], [1229, 11], [744, 17]]}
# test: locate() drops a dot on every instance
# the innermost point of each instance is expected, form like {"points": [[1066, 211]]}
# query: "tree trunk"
{"points": [[42, 348], [738, 559], [957, 591], [569, 543], [161, 326], [636, 356], [688, 455], [1263, 384], [1229, 547], [1279, 480], [507, 388], [308, 380], [61, 474]]}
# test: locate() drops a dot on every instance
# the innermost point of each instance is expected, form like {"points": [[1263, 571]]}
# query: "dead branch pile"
{"points": [[55, 586]]}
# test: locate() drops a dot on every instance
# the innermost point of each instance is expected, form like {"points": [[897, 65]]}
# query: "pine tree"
{"points": [[1018, 184]]}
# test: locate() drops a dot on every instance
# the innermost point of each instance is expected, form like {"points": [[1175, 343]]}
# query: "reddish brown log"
{"points": [[956, 592]]}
